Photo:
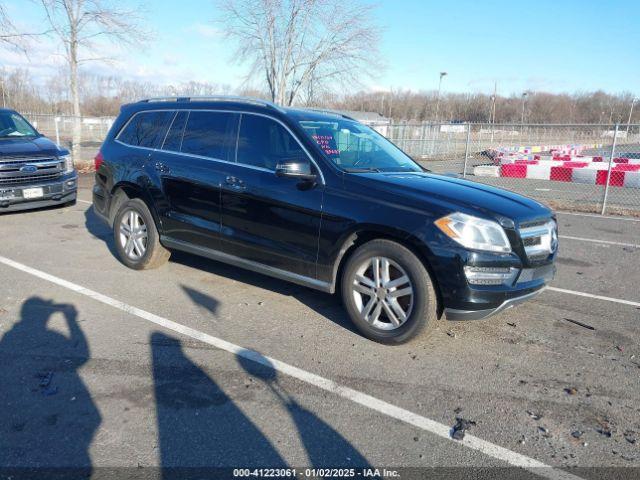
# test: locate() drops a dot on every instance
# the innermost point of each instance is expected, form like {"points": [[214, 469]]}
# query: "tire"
{"points": [[147, 252], [420, 307]]}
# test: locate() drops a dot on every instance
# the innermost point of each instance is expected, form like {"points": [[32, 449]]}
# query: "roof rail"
{"points": [[213, 98], [328, 110]]}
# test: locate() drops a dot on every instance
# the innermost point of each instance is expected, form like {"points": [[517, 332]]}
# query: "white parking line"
{"points": [[591, 295], [595, 215], [500, 453], [605, 242], [84, 201]]}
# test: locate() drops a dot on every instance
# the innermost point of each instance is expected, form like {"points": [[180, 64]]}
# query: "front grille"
{"points": [[43, 168], [539, 238], [534, 223], [28, 179], [531, 241], [30, 159]]}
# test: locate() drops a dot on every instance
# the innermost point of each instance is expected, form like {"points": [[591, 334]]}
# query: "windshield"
{"points": [[354, 147], [13, 125]]}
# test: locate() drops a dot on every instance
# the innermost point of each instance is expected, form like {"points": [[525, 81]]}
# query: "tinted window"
{"points": [[173, 141], [210, 134], [262, 142], [146, 129]]}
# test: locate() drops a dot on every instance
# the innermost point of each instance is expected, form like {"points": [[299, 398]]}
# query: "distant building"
{"points": [[373, 119]]}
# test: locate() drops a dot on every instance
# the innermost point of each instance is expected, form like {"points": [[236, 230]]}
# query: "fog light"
{"points": [[490, 275]]}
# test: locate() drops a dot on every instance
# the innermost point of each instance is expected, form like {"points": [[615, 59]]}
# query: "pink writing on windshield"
{"points": [[326, 142]]}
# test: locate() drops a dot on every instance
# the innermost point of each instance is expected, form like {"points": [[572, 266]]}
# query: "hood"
{"points": [[455, 194], [28, 146]]}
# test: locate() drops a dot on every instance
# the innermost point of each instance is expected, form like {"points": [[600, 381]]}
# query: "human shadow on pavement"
{"points": [[200, 428], [325, 447], [47, 416], [329, 306]]}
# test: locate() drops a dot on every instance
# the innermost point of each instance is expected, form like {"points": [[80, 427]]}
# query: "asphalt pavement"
{"points": [[117, 372]]}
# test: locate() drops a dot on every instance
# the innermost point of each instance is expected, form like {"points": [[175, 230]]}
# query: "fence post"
{"points": [[606, 184], [466, 151], [55, 121]]}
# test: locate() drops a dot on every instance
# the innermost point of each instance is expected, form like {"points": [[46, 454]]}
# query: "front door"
{"points": [[267, 219]]}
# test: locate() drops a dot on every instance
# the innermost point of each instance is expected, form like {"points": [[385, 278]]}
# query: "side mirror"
{"points": [[300, 169]]}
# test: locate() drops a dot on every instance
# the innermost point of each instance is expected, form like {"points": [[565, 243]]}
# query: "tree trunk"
{"points": [[76, 137]]}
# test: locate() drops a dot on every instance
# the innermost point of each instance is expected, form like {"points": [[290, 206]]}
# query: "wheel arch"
{"points": [[123, 191], [367, 233]]}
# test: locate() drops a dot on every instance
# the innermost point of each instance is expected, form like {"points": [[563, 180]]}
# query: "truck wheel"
{"points": [[388, 292], [136, 237]]}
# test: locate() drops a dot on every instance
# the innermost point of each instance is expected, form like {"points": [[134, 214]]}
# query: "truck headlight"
{"points": [[68, 163], [474, 233]]}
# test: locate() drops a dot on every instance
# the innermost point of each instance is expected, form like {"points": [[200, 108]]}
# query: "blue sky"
{"points": [[537, 45]]}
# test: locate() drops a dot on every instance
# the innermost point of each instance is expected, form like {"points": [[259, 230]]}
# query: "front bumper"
{"points": [[57, 192], [463, 299], [455, 314], [475, 302]]}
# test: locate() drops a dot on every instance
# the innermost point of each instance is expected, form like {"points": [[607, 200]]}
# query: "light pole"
{"points": [[442, 74], [524, 97], [633, 102]]}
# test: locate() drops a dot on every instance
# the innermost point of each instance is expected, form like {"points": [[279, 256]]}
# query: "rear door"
{"points": [[267, 219], [190, 165]]}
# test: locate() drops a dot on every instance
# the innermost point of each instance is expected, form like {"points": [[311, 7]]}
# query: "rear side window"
{"points": [[146, 129], [264, 143], [173, 141], [210, 134]]}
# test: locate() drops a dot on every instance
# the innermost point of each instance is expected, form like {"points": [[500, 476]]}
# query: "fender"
{"points": [[132, 190], [365, 232]]}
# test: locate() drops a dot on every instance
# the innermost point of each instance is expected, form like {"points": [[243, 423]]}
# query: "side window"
{"points": [[210, 134], [263, 142], [146, 129], [173, 141]]}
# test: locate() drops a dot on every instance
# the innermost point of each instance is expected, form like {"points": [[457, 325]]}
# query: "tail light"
{"points": [[99, 160]]}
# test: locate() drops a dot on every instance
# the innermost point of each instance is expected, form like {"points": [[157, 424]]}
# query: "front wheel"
{"points": [[388, 292], [136, 237]]}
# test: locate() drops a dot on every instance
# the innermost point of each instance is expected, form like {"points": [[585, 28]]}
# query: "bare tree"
{"points": [[83, 27], [9, 35], [293, 43]]}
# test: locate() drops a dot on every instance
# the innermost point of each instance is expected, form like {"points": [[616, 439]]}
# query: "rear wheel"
{"points": [[388, 292], [136, 237]]}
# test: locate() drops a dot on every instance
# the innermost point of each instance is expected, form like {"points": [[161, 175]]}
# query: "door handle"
{"points": [[162, 167]]}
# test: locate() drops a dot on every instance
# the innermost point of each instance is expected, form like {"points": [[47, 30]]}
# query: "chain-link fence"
{"points": [[592, 168], [59, 128]]}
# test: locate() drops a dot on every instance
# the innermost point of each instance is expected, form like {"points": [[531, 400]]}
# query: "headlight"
{"points": [[68, 163], [474, 233]]}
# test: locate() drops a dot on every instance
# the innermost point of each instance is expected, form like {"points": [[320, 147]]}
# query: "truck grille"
{"points": [[539, 238], [30, 179], [28, 170]]}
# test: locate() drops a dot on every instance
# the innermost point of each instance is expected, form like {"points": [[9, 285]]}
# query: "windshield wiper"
{"points": [[361, 170]]}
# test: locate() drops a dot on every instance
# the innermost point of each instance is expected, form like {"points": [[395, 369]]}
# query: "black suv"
{"points": [[34, 171], [316, 198]]}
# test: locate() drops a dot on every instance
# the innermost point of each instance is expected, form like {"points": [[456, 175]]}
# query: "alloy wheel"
{"points": [[133, 235], [383, 293]]}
